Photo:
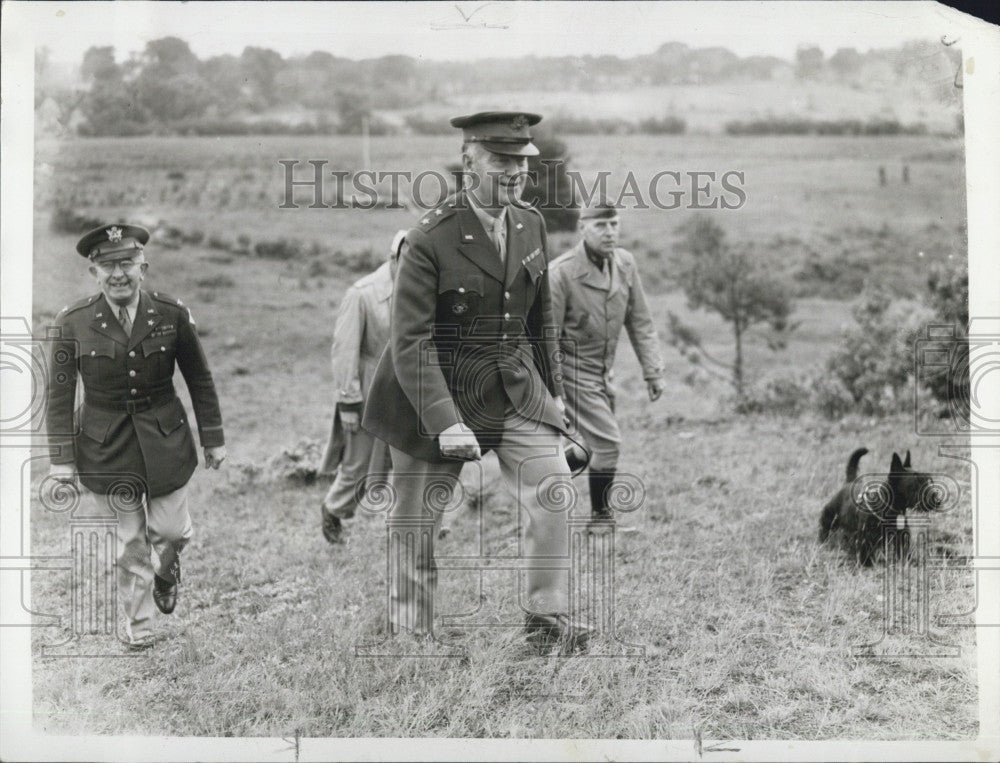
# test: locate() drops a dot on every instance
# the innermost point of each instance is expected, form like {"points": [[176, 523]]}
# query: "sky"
{"points": [[480, 29]]}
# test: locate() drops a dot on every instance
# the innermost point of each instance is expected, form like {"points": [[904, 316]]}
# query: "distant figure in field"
{"points": [[881, 176], [596, 290], [906, 174], [134, 453], [360, 336]]}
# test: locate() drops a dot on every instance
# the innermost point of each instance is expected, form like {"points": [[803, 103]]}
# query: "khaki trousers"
{"points": [[590, 405], [534, 469], [160, 524], [362, 453]]}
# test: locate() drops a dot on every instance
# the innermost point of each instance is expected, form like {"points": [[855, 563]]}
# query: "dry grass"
{"points": [[748, 625]]}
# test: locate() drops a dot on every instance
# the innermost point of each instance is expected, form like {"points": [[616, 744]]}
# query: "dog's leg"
{"points": [[828, 519]]}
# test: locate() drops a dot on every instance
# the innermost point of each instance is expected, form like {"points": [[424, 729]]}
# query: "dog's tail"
{"points": [[852, 464]]}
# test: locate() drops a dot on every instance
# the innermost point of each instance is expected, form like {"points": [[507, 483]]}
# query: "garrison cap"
{"points": [[112, 239], [502, 132], [599, 208]]}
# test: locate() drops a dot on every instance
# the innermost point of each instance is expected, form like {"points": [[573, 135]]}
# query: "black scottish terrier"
{"points": [[860, 517]]}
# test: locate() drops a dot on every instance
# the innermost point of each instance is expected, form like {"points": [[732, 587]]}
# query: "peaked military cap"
{"points": [[599, 208], [502, 132], [112, 239]]}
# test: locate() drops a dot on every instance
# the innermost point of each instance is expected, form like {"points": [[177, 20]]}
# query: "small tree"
{"points": [[737, 284]]}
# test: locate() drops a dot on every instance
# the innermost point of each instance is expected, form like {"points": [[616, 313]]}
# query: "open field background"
{"points": [[748, 625]]}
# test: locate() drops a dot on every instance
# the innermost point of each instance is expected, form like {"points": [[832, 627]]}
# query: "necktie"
{"points": [[124, 320], [499, 236]]}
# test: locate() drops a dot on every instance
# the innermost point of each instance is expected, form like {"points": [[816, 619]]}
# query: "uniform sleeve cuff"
{"points": [[212, 437], [437, 417]]}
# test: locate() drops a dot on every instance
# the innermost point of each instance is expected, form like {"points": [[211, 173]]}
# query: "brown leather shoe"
{"points": [[548, 633]]}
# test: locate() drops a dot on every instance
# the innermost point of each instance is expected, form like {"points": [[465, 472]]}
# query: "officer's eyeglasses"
{"points": [[108, 268]]}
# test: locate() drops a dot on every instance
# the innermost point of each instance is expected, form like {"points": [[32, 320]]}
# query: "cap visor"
{"points": [[511, 149]]}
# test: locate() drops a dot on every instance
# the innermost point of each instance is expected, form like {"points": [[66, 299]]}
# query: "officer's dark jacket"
{"points": [[131, 428], [467, 334]]}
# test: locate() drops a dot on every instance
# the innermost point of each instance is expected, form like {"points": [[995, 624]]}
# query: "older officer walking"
{"points": [[596, 290], [359, 338], [134, 452], [472, 366]]}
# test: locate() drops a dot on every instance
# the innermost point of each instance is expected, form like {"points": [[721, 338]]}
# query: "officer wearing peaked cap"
{"points": [[130, 445], [472, 366]]}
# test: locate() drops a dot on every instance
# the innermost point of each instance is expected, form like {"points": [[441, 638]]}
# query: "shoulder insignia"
{"points": [[80, 303], [165, 298], [431, 219]]}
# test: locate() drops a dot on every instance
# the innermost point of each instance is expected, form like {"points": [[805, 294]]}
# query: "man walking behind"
{"points": [[360, 336], [596, 290]]}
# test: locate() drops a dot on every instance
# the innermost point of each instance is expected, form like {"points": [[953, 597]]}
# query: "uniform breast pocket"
{"points": [[534, 268], [460, 296], [96, 356], [159, 354]]}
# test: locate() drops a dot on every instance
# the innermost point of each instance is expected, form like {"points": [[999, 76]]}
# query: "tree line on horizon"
{"points": [[166, 88]]}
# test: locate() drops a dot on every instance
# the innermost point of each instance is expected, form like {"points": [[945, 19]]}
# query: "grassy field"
{"points": [[748, 625]]}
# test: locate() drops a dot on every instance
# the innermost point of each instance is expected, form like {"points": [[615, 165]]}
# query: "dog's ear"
{"points": [[896, 465], [906, 463]]}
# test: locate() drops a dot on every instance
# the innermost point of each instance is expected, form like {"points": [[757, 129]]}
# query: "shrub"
{"points": [[667, 125], [948, 297], [788, 394], [218, 281], [805, 126], [874, 362], [358, 262], [281, 249], [298, 463]]}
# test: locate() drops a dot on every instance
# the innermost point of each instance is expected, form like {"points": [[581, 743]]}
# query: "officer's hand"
{"points": [[655, 388], [458, 441], [214, 457], [350, 420], [63, 473]]}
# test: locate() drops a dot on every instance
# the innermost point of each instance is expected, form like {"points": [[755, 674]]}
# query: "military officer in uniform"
{"points": [[472, 366], [596, 290], [359, 338], [133, 450]]}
